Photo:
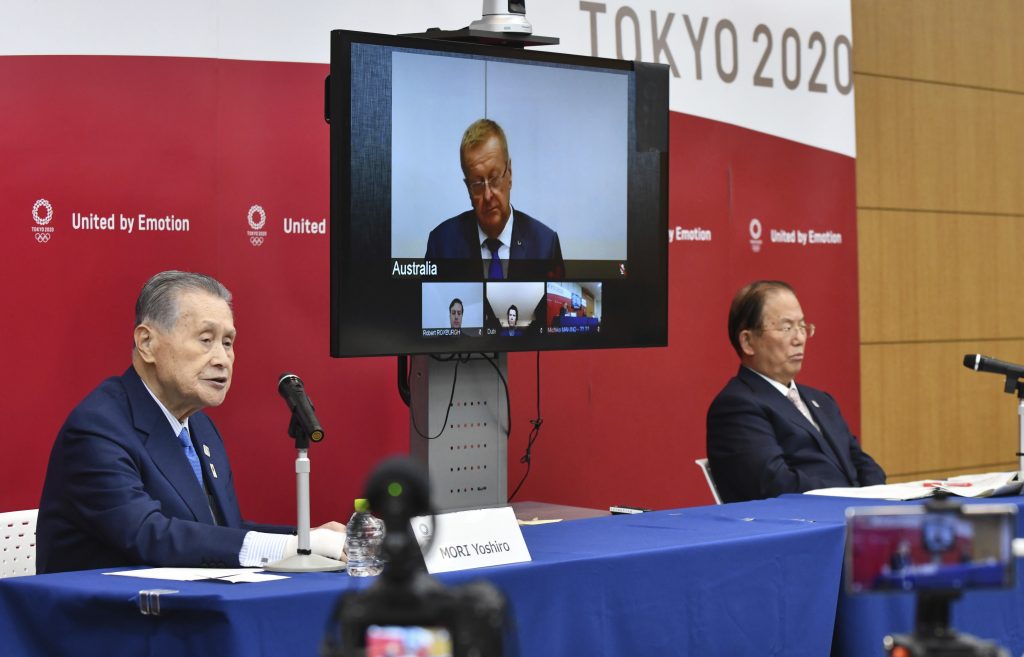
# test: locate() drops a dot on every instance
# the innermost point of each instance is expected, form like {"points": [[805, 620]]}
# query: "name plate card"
{"points": [[470, 539]]}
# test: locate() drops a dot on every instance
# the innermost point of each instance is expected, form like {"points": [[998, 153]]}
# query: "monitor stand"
{"points": [[468, 463]]}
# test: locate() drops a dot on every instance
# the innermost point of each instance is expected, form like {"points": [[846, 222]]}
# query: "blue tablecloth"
{"points": [[864, 620], [757, 578]]}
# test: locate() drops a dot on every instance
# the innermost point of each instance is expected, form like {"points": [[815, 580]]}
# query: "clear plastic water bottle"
{"points": [[363, 540]]}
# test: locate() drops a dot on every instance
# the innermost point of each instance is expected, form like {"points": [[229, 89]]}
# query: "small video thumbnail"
{"points": [[514, 309], [452, 309], [573, 307]]}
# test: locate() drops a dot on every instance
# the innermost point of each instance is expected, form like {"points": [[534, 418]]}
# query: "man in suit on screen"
{"points": [[493, 240], [766, 435], [138, 474]]}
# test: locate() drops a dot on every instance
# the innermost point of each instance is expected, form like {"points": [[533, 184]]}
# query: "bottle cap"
{"points": [[362, 505]]}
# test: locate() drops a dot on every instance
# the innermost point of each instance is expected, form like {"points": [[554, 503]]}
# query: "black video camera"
{"points": [[937, 550], [406, 611]]}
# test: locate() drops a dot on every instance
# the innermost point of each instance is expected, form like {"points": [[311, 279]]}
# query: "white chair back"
{"points": [[18, 543], [706, 469]]}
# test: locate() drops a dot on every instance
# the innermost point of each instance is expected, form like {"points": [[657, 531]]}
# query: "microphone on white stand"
{"points": [[303, 427], [1013, 373]]}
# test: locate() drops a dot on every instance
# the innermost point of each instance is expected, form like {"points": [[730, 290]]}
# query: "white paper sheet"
{"points": [[231, 575]]}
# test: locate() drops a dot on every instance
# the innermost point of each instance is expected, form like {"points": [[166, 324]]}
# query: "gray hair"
{"points": [[158, 300]]}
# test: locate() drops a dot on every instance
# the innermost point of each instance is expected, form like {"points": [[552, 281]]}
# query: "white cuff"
{"points": [[260, 548]]}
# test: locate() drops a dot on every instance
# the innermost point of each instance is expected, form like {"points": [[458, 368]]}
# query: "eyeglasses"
{"points": [[789, 330], [477, 188]]}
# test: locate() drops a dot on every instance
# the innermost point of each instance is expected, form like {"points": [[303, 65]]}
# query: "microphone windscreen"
{"points": [[288, 380]]}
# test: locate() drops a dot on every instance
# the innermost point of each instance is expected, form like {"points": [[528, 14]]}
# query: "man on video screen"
{"points": [[512, 317], [493, 240]]}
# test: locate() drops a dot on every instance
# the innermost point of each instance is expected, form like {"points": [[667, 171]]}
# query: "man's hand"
{"points": [[329, 540]]}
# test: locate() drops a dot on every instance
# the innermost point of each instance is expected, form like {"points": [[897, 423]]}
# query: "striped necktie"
{"points": [[794, 396]]}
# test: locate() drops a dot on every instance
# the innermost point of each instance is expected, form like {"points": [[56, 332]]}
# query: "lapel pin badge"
{"points": [[812, 401], [206, 449], [213, 471]]}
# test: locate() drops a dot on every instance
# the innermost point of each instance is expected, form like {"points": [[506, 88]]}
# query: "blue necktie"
{"points": [[494, 273], [190, 454]]}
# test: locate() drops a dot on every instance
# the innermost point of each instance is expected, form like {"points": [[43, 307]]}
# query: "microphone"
{"points": [[980, 363], [294, 393]]}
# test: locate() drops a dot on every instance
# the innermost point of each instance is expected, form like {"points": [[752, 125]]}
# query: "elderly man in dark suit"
{"points": [[493, 240], [138, 473], [766, 435]]}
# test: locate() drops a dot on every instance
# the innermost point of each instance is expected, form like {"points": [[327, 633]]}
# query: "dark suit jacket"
{"points": [[119, 490], [760, 445], [534, 254]]}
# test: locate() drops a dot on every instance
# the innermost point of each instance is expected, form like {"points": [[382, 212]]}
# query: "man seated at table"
{"points": [[138, 474], [766, 435]]}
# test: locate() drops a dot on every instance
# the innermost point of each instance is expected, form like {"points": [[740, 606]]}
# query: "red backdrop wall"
{"points": [[207, 139]]}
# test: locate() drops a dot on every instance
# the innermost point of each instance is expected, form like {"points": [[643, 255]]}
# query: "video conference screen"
{"points": [[486, 198]]}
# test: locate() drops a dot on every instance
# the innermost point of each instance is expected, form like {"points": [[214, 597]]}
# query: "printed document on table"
{"points": [[908, 491], [991, 484]]}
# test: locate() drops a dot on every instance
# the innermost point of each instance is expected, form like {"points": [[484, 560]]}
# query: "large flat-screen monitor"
{"points": [[488, 199]]}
